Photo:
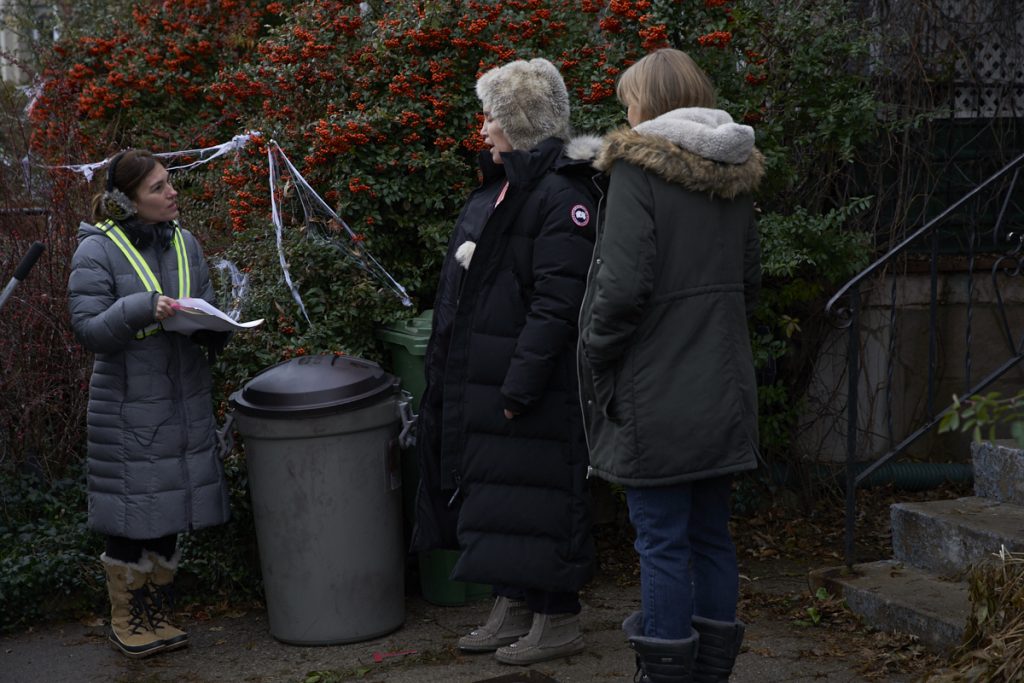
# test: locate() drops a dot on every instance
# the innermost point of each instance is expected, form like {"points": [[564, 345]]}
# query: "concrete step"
{"points": [[946, 537], [893, 597], [998, 471]]}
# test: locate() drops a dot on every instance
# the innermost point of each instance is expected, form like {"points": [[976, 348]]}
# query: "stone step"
{"points": [[946, 537], [893, 597], [998, 471]]}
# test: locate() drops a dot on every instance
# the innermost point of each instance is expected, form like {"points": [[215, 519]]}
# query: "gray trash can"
{"points": [[321, 438]]}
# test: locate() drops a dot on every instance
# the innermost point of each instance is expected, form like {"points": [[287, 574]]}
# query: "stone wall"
{"points": [[822, 433]]}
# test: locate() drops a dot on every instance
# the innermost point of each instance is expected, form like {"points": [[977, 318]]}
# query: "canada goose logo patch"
{"points": [[580, 215]]}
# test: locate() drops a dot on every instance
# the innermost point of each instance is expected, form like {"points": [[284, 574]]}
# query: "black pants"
{"points": [[131, 549], [543, 602]]}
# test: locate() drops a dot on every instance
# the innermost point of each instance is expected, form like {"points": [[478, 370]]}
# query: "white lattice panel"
{"points": [[989, 35], [982, 39]]}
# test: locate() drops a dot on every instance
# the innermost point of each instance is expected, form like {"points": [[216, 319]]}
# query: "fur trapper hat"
{"points": [[528, 99]]}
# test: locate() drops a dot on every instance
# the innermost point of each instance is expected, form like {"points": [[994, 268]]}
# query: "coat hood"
{"points": [[523, 167], [86, 229], [140, 234], [700, 149]]}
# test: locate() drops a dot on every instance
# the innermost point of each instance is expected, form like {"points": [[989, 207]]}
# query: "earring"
{"points": [[117, 205]]}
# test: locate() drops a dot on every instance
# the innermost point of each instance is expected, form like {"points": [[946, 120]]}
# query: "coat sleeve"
{"points": [[561, 255], [102, 321], [624, 278], [752, 267]]}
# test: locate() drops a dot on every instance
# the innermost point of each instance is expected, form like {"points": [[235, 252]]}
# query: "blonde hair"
{"points": [[664, 80]]}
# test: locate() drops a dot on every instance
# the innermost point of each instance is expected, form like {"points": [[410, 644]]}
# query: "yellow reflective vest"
{"points": [[142, 269]]}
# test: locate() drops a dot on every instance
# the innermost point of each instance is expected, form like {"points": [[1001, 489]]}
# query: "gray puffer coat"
{"points": [[666, 371], [153, 467]]}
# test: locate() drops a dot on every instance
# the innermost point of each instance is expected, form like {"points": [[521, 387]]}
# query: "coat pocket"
{"points": [[604, 392]]}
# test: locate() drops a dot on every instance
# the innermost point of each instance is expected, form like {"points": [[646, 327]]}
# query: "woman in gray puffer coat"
{"points": [[153, 468], [666, 371]]}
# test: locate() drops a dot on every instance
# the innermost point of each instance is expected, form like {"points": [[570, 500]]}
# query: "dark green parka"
{"points": [[666, 371]]}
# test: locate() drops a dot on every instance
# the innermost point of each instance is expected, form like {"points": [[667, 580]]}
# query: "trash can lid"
{"points": [[413, 333], [309, 385]]}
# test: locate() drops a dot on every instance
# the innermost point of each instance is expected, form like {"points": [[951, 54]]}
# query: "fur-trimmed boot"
{"points": [[659, 660], [719, 646], [161, 596], [551, 636], [130, 629], [508, 621]]}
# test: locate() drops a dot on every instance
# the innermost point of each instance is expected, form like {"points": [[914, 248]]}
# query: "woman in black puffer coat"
{"points": [[501, 449]]}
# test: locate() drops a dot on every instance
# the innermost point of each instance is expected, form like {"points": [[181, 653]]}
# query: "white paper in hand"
{"points": [[196, 314]]}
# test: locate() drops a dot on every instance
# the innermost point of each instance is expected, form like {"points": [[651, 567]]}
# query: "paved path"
{"points": [[236, 648]]}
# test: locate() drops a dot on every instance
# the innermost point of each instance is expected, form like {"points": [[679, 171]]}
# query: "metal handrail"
{"points": [[923, 230], [855, 475]]}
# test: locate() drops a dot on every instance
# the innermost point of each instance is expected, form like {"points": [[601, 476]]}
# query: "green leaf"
{"points": [[1017, 431]]}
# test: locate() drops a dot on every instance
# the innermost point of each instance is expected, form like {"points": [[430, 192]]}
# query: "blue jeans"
{"points": [[687, 559]]}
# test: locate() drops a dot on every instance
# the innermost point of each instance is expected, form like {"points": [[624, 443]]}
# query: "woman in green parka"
{"points": [[666, 370]]}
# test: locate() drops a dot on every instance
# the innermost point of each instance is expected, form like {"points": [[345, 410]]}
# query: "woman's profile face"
{"points": [[494, 137], [633, 115], [156, 199]]}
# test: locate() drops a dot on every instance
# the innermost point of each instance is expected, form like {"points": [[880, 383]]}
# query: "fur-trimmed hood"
{"points": [[700, 149]]}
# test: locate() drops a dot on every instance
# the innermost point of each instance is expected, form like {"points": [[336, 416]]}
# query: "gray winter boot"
{"points": [[659, 660], [508, 621], [551, 636], [719, 645]]}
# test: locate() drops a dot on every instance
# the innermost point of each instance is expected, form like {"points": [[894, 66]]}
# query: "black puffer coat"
{"points": [[511, 493]]}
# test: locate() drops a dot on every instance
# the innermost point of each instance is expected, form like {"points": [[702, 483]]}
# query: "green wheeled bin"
{"points": [[407, 342]]}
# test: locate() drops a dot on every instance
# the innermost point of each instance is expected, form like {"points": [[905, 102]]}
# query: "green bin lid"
{"points": [[313, 385], [413, 334]]}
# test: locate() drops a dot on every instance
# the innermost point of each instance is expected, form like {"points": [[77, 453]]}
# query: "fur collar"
{"points": [[700, 149], [583, 147]]}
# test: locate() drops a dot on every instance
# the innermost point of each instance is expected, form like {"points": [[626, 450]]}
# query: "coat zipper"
{"points": [[176, 362], [579, 320]]}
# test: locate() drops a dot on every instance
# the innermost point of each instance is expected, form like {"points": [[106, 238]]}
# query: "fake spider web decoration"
{"points": [[323, 225], [232, 298], [235, 296], [200, 156]]}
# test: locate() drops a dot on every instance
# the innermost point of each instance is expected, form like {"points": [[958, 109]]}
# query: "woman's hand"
{"points": [[509, 414], [164, 307]]}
